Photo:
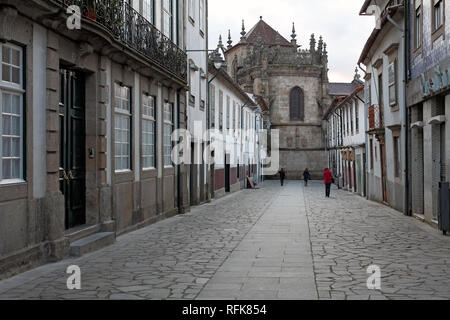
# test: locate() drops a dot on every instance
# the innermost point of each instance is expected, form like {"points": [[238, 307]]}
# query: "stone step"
{"points": [[92, 243], [82, 232]]}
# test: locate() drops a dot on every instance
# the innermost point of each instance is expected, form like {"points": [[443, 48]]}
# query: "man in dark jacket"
{"points": [[306, 176], [282, 176], [328, 180]]}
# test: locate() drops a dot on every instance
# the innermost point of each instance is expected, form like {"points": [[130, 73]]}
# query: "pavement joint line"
{"points": [[264, 210], [310, 241]]}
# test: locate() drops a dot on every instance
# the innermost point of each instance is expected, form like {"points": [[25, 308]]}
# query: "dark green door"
{"points": [[72, 147]]}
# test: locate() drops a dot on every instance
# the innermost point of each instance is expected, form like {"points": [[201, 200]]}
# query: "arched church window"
{"points": [[297, 104]]}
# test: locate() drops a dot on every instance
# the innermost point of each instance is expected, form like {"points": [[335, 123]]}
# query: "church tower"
{"points": [[293, 83]]}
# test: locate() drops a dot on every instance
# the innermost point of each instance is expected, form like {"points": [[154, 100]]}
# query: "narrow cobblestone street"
{"points": [[270, 243]]}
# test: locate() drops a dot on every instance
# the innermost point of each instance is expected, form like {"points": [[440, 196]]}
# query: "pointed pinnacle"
{"points": [[229, 40], [293, 31]]}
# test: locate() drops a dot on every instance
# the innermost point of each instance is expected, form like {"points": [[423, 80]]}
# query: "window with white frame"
{"points": [[418, 25], [148, 10], [122, 127], [228, 113], [351, 119], [168, 18], [148, 131], [11, 114], [192, 9], [201, 15], [392, 72], [212, 99], [168, 130], [437, 14]]}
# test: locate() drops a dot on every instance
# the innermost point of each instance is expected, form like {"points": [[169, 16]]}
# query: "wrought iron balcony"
{"points": [[128, 26]]}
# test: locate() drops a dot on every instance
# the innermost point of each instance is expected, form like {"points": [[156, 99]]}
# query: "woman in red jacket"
{"points": [[328, 180]]}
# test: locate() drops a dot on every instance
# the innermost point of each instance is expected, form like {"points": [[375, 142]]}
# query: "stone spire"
{"points": [[320, 47], [312, 43], [325, 52], [293, 36], [220, 44], [230, 42], [243, 33]]}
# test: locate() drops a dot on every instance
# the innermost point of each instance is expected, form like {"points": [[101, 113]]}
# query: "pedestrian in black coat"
{"points": [[306, 176], [282, 173]]}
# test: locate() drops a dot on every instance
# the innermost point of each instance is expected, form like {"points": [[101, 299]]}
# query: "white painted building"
{"points": [[234, 119], [383, 57], [197, 50], [346, 132]]}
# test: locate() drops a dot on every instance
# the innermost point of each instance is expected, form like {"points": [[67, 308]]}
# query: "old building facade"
{"points": [[384, 59], [346, 137], [197, 50], [87, 116], [293, 83], [236, 121], [428, 101]]}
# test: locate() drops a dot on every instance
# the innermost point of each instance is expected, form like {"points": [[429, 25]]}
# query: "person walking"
{"points": [[306, 176], [282, 176], [328, 180]]}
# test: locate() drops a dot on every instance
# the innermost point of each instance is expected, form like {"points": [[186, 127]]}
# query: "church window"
{"points": [[297, 105]]}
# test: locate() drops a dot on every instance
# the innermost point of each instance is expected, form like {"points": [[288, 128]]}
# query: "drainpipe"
{"points": [[179, 177], [366, 121], [405, 162], [406, 197]]}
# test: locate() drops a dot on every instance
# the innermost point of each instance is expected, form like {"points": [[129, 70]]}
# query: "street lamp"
{"points": [[219, 63]]}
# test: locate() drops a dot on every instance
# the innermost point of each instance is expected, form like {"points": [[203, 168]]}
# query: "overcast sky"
{"points": [[338, 21]]}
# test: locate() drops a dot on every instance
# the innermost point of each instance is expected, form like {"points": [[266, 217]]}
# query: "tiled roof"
{"points": [[343, 89], [267, 33]]}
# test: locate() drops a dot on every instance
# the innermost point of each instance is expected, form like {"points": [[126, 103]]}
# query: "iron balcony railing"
{"points": [[128, 26]]}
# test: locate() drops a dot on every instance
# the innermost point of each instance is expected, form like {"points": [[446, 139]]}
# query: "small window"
{"points": [[418, 28], [437, 14], [122, 127], [11, 65], [357, 117], [397, 157], [168, 130], [212, 101], [148, 131], [351, 119], [228, 113], [371, 153], [220, 110], [192, 9], [202, 15], [392, 72]]}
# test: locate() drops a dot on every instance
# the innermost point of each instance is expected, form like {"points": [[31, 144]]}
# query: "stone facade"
{"points": [[268, 66], [33, 205]]}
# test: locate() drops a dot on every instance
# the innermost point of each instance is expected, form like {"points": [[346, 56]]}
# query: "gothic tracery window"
{"points": [[297, 105]]}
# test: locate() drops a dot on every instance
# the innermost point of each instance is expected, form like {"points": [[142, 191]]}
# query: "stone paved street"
{"points": [[271, 243]]}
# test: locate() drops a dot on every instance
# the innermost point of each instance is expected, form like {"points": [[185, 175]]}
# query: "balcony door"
{"points": [[72, 172]]}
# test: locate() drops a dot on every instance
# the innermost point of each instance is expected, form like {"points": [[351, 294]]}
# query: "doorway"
{"points": [[227, 173], [383, 171], [72, 172]]}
